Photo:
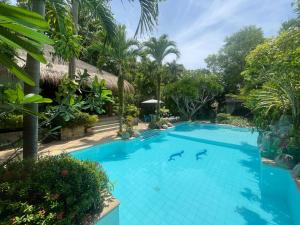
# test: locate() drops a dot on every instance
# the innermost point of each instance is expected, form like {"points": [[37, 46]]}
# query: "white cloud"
{"points": [[221, 18]]}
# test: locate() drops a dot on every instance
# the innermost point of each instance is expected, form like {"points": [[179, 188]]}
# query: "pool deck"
{"points": [[59, 147]]}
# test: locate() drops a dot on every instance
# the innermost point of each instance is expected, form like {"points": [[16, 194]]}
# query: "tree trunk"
{"points": [[30, 122], [72, 63], [158, 96], [121, 99]]}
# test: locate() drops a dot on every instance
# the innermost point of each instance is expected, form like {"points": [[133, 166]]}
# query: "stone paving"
{"points": [[59, 147]]}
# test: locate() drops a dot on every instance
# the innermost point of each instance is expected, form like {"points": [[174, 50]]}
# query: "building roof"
{"points": [[56, 69]]}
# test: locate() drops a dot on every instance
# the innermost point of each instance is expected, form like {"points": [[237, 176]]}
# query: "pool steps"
{"points": [[105, 124], [148, 134]]}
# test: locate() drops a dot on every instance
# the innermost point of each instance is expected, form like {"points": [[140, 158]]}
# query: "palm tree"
{"points": [[30, 121], [122, 52], [101, 11], [158, 49], [174, 71]]}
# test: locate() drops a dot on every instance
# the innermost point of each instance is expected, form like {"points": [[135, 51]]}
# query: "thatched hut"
{"points": [[53, 72]]}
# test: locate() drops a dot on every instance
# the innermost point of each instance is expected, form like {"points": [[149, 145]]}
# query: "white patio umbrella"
{"points": [[152, 101]]}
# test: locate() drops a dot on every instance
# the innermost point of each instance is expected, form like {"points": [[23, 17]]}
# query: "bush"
{"points": [[232, 120], [56, 190], [79, 119], [158, 124], [132, 110], [11, 122]]}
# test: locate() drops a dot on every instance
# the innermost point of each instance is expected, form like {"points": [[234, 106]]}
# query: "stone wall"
{"points": [[278, 143], [72, 133]]}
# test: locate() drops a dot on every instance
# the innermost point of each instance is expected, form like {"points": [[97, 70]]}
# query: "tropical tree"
{"points": [[121, 52], [229, 62], [193, 91], [276, 58], [101, 11], [173, 71], [289, 24], [30, 122], [272, 79], [158, 49], [21, 29]]}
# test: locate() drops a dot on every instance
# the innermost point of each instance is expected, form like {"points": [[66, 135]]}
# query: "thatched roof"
{"points": [[55, 70]]}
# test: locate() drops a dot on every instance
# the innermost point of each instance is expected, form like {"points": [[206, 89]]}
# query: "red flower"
{"points": [[60, 215], [64, 173]]}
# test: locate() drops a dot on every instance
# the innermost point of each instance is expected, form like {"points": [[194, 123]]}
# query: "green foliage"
{"points": [[230, 61], [173, 72], [122, 52], [96, 96], [132, 110], [15, 99], [289, 25], [272, 92], [68, 101], [149, 15], [11, 121], [158, 124], [73, 119], [54, 190], [62, 30], [238, 121], [274, 59], [272, 79], [193, 91], [17, 96], [159, 49], [22, 29]]}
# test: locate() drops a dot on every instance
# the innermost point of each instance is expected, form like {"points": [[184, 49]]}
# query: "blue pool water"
{"points": [[227, 184]]}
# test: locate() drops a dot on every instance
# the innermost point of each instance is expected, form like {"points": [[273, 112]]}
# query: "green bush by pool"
{"points": [[53, 190]]}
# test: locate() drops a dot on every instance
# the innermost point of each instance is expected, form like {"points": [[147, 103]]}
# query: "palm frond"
{"points": [[21, 29], [148, 17]]}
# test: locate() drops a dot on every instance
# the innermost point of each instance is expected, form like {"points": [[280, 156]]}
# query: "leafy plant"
{"points": [[22, 29], [97, 96], [121, 52], [11, 121], [158, 124], [132, 110], [159, 49], [193, 91], [229, 62], [15, 99], [52, 190], [238, 121]]}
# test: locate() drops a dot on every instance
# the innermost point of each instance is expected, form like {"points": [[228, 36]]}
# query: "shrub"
{"points": [[157, 124], [232, 120], [79, 119], [11, 122], [127, 133], [56, 190], [132, 110]]}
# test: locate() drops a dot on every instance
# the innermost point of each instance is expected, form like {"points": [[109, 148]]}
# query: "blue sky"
{"points": [[200, 26]]}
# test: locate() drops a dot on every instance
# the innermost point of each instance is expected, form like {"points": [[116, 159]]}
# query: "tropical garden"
{"points": [[252, 81]]}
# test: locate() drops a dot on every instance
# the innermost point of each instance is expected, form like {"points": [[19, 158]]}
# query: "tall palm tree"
{"points": [[30, 121], [175, 70], [101, 10], [122, 52], [159, 49]]}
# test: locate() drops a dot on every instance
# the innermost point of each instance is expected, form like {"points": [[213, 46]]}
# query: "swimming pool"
{"points": [[196, 174]]}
